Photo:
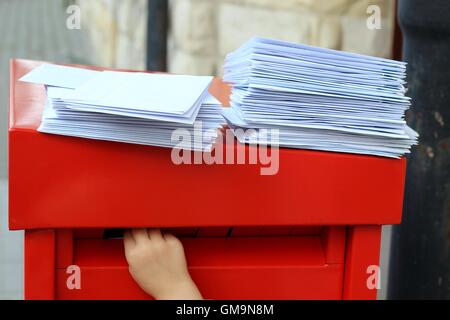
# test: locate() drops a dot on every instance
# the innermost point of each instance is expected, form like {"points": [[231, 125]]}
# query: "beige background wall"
{"points": [[117, 31], [202, 32]]}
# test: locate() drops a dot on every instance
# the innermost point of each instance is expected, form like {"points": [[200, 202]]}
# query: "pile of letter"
{"points": [[283, 94], [133, 107], [317, 99]]}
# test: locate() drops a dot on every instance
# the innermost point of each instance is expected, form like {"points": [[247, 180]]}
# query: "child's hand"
{"points": [[157, 263]]}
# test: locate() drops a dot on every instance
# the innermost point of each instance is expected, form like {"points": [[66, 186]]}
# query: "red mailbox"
{"points": [[311, 231]]}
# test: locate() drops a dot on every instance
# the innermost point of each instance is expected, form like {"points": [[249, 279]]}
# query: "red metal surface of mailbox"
{"points": [[310, 231]]}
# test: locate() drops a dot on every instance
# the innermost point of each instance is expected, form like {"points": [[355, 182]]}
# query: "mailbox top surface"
{"points": [[67, 182]]}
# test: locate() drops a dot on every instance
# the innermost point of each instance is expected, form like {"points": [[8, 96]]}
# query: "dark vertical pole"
{"points": [[420, 255], [157, 35], [397, 48]]}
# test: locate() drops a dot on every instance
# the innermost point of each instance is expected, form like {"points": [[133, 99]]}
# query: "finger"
{"points": [[169, 237], [140, 235], [128, 237], [155, 234], [174, 243], [128, 242]]}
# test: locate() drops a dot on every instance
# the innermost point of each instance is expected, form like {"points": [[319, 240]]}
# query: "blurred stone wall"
{"points": [[202, 32], [117, 30]]}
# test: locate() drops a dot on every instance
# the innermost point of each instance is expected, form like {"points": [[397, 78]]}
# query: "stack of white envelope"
{"points": [[317, 99], [142, 108]]}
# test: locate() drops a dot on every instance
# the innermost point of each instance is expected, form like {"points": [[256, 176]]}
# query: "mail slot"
{"points": [[263, 263], [310, 231]]}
